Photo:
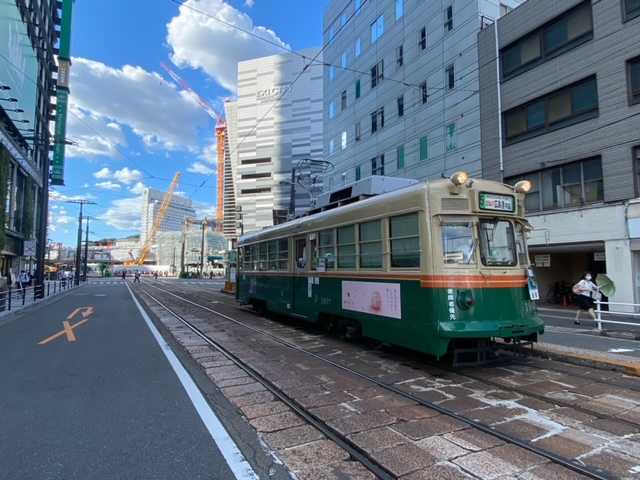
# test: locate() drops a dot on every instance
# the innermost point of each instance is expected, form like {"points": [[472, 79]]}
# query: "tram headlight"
{"points": [[459, 178], [523, 186]]}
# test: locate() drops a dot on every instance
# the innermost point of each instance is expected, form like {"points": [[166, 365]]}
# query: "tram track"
{"points": [[570, 464]]}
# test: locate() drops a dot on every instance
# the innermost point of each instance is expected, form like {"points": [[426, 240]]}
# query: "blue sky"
{"points": [[132, 125]]}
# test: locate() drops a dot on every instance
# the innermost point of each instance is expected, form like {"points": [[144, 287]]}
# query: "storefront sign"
{"points": [[543, 260], [599, 257], [372, 297], [29, 248]]}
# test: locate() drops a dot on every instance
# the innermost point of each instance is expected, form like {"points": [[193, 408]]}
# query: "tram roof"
{"points": [[359, 211]]}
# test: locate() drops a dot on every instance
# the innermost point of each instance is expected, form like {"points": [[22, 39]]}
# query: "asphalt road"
{"points": [[106, 406]]}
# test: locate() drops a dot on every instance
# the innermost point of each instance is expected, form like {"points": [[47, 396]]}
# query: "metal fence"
{"points": [[599, 312], [15, 298]]}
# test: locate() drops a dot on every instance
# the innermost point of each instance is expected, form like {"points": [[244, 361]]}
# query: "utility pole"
{"points": [[82, 203], [204, 224], [184, 235], [86, 250]]}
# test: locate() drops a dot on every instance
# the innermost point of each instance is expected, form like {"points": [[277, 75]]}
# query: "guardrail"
{"points": [[599, 313], [14, 298]]}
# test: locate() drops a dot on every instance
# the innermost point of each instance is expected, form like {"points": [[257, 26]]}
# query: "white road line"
{"points": [[230, 451]]}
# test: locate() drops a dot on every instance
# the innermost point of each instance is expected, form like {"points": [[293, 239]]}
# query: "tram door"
{"points": [[300, 301]]}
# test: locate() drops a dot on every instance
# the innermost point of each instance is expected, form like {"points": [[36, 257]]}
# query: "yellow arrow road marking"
{"points": [[71, 337], [67, 330], [86, 312]]}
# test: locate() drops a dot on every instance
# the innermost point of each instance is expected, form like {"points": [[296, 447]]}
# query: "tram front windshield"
{"points": [[497, 243]]}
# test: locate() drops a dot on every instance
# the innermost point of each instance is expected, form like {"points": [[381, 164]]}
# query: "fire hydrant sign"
{"points": [[372, 297]]}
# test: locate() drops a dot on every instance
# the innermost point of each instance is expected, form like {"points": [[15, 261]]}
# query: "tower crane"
{"points": [[221, 133], [157, 222]]}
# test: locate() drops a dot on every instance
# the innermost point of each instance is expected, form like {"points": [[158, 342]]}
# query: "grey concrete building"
{"points": [[277, 124], [401, 87], [179, 209], [229, 222], [562, 109]]}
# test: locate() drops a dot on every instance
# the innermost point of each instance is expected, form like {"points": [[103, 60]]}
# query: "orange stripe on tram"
{"points": [[473, 281]]}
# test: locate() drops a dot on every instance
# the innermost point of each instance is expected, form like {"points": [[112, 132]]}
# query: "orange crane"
{"points": [[157, 222], [221, 133]]}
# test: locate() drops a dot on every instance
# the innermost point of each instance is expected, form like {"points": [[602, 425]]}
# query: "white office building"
{"points": [[402, 87], [179, 209], [273, 125]]}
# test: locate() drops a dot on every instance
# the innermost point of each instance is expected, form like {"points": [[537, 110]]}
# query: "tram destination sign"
{"points": [[497, 202]]}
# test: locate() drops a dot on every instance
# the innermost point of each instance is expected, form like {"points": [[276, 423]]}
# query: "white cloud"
{"points": [[55, 196], [200, 42], [123, 214], [200, 169], [127, 176], [156, 111], [138, 188], [205, 211], [209, 153], [92, 134], [249, 3], [108, 185], [103, 173], [59, 217]]}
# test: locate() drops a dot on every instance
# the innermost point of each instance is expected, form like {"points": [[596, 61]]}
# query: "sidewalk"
{"points": [[564, 317], [16, 299]]}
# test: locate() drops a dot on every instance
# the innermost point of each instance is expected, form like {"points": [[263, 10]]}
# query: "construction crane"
{"points": [[157, 222], [221, 133]]}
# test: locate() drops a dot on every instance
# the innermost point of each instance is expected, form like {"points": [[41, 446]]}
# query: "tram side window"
{"points": [[497, 244], [458, 245], [262, 256], [272, 255], [371, 244], [347, 247], [283, 254], [327, 249], [247, 265], [521, 244], [405, 241]]}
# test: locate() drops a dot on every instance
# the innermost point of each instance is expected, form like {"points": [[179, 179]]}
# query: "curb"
{"points": [[587, 357]]}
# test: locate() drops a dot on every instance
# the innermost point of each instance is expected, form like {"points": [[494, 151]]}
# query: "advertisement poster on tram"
{"points": [[372, 297]]}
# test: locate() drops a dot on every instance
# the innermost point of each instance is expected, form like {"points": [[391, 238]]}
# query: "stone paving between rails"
{"points": [[570, 414]]}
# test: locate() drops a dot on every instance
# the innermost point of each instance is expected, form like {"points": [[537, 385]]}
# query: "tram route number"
{"points": [[500, 203]]}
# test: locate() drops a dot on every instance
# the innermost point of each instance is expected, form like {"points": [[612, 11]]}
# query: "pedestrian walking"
{"points": [[136, 277], [155, 275], [23, 279], [124, 274], [586, 292]]}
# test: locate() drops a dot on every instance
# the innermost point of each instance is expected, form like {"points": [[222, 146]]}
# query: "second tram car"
{"points": [[436, 267]]}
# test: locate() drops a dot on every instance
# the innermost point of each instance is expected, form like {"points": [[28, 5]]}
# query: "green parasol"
{"points": [[605, 284]]}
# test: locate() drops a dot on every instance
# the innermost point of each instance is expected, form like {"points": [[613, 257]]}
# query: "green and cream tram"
{"points": [[437, 267]]}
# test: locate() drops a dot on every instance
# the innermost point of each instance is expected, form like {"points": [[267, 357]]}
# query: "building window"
{"points": [[358, 173], [377, 165], [504, 9], [332, 109], [399, 56], [422, 38], [451, 77], [631, 9], [332, 147], [343, 100], [253, 191], [343, 140], [633, 68], [377, 73], [332, 72], [249, 176], [424, 96], [347, 247], [558, 109], [400, 157], [358, 6], [377, 29], [400, 101], [343, 60], [569, 185], [452, 141], [358, 90], [424, 148], [358, 132], [636, 165], [326, 248], [448, 20], [370, 240], [377, 120], [343, 19], [563, 33], [399, 9], [358, 49], [405, 241]]}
